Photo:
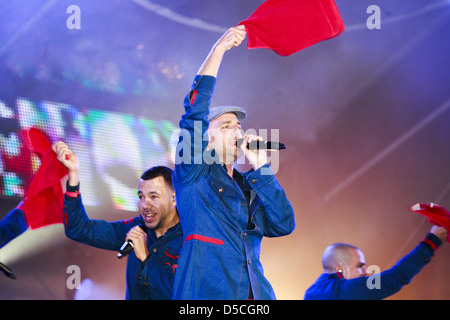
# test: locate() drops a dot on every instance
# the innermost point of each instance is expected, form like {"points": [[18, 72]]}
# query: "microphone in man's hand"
{"points": [[127, 246], [125, 249], [7, 271], [262, 145]]}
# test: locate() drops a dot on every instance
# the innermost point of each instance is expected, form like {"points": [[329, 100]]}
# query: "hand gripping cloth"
{"points": [[288, 26]]}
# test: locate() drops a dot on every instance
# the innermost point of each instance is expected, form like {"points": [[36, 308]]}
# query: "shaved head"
{"points": [[345, 259], [336, 254]]}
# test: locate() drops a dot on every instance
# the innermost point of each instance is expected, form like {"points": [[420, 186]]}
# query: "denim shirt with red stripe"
{"points": [[151, 279], [332, 286], [220, 257]]}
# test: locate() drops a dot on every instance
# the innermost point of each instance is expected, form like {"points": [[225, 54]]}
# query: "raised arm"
{"points": [[393, 279], [194, 122], [77, 225], [69, 160], [231, 38]]}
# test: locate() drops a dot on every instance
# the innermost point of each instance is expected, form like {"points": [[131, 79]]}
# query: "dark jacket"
{"points": [[149, 280]]}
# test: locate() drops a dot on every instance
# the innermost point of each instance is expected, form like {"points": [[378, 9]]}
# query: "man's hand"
{"points": [[139, 239], [439, 232], [69, 160], [233, 37], [256, 158]]}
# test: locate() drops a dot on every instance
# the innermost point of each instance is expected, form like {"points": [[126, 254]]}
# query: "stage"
{"points": [[365, 117]]}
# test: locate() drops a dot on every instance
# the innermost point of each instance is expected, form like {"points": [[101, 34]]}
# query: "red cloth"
{"points": [[44, 197], [288, 26], [436, 215]]}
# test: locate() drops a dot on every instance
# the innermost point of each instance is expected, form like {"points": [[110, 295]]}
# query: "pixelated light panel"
{"points": [[113, 148]]}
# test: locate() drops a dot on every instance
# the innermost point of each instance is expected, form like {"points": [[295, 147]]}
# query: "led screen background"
{"points": [[113, 148], [365, 117]]}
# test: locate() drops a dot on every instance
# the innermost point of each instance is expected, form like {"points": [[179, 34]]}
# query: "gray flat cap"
{"points": [[218, 111]]}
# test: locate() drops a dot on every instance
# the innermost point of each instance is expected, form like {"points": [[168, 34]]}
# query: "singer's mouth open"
{"points": [[149, 216]]}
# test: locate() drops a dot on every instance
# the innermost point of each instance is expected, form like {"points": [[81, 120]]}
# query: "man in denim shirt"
{"points": [[156, 233], [224, 213]]}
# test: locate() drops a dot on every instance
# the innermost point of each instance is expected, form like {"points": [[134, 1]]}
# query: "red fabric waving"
{"points": [[43, 202], [288, 26]]}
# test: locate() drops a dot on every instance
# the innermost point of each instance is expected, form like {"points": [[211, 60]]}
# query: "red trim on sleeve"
{"points": [[72, 194], [430, 243]]}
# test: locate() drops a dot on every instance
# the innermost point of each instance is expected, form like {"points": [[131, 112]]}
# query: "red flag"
{"points": [[43, 202], [436, 215], [288, 26]]}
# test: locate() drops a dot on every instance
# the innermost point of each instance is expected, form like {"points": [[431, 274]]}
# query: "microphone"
{"points": [[128, 245], [262, 145], [125, 249], [7, 271]]}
